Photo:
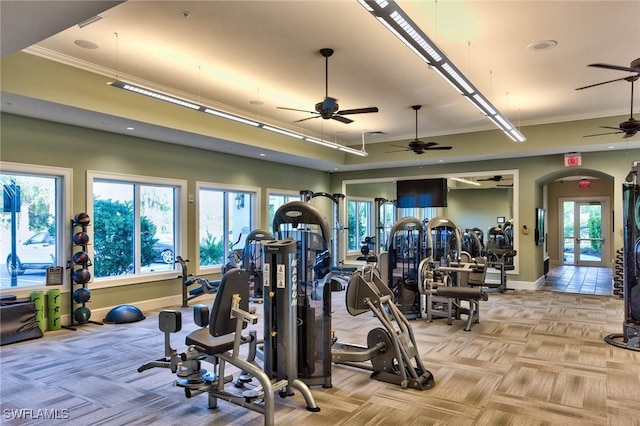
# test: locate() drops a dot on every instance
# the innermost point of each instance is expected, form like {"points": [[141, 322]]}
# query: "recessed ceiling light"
{"points": [[85, 44], [130, 128], [263, 154], [542, 45], [610, 147]]}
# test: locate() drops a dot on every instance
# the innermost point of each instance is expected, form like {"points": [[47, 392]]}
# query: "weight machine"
{"points": [[308, 195], [630, 337], [473, 242], [382, 230], [304, 224], [217, 342], [399, 265], [391, 350], [253, 259], [446, 275], [500, 254]]}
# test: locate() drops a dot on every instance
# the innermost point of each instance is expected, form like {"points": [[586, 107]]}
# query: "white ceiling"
{"points": [[230, 54]]}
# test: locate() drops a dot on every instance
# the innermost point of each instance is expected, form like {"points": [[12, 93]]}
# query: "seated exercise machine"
{"points": [[391, 349], [442, 298], [445, 278], [218, 342]]}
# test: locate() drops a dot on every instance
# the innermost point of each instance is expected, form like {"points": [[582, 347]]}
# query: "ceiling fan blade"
{"points": [[305, 119], [344, 120], [610, 127], [398, 150], [615, 67], [439, 147], [601, 134], [604, 82], [358, 111], [295, 109]]}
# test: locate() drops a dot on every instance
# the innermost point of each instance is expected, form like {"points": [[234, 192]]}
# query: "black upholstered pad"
{"points": [[211, 345]]}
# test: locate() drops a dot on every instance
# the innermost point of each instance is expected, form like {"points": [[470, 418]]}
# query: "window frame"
{"points": [[180, 223], [370, 225], [64, 202], [282, 193], [255, 203]]}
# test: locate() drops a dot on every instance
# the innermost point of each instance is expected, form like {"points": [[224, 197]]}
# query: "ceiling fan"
{"points": [[418, 146], [634, 68], [496, 178], [631, 126], [328, 108]]}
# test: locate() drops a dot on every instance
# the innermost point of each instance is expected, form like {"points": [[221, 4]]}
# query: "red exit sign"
{"points": [[572, 160]]}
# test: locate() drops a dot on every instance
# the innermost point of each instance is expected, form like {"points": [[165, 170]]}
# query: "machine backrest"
{"points": [[234, 282], [479, 275], [361, 288]]}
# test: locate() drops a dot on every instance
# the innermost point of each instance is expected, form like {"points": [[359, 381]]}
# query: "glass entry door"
{"points": [[583, 237]]}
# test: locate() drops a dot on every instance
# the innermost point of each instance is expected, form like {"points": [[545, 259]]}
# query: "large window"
{"points": [[136, 225], [225, 216], [387, 216], [359, 218], [277, 199], [35, 202], [424, 214]]}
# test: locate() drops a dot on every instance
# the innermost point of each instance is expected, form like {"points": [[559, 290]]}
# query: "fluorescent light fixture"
{"points": [[505, 123], [322, 142], [467, 181], [191, 105], [334, 145], [406, 42], [402, 26], [282, 131], [482, 103], [353, 151], [448, 80], [451, 72], [231, 117]]}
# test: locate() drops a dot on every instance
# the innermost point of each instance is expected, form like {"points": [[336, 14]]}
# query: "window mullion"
{"points": [[137, 230]]}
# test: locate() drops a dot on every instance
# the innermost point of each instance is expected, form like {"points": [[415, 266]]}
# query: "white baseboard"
{"points": [[519, 285], [174, 302]]}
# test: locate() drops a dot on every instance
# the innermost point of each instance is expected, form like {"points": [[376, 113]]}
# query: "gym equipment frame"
{"points": [[218, 343], [391, 350]]}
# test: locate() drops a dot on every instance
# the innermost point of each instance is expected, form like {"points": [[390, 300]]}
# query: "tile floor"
{"points": [[579, 279]]}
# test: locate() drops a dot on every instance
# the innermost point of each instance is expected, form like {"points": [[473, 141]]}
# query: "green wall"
{"points": [[38, 142], [534, 173], [31, 141]]}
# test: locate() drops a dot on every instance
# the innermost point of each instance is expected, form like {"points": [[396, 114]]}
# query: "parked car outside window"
{"points": [[37, 252]]}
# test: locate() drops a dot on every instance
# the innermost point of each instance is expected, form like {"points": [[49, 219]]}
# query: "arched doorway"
{"points": [[578, 203]]}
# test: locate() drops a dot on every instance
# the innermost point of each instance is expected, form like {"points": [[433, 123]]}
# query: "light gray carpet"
{"points": [[535, 358]]}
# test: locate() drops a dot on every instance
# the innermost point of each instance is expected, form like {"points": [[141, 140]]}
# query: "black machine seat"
{"points": [[209, 344], [233, 292]]}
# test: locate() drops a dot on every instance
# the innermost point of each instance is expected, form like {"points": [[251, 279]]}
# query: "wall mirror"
{"points": [[474, 199]]}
